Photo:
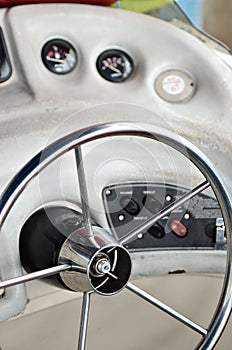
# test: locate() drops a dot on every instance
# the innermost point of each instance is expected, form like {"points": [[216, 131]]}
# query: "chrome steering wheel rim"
{"points": [[80, 137]]}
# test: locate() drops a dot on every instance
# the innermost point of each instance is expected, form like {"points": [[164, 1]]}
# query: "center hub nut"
{"points": [[107, 264], [103, 266]]}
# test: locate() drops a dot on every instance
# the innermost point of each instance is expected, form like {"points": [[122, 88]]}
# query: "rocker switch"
{"points": [[130, 206]]}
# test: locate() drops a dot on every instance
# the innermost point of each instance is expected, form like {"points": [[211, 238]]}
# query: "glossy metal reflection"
{"points": [[60, 147], [37, 275], [83, 192], [84, 321], [155, 302], [107, 264]]}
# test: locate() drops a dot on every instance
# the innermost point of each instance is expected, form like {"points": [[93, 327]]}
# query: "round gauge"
{"points": [[59, 56], [175, 85], [115, 65]]}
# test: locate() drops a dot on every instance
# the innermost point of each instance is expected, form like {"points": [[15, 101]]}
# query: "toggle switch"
{"points": [[178, 228]]}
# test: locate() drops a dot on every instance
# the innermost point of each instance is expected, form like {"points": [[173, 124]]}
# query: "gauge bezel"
{"points": [[184, 95], [63, 40], [115, 51]]}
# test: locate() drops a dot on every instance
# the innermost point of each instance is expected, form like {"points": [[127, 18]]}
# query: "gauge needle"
{"points": [[48, 58], [116, 70]]}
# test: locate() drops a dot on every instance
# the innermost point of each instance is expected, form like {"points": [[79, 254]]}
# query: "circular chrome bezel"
{"points": [[175, 85]]}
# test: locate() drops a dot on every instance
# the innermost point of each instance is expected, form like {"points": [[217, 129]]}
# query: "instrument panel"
{"points": [[196, 225]]}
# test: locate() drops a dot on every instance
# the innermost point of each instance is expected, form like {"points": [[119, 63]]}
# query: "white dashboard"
{"points": [[123, 67]]}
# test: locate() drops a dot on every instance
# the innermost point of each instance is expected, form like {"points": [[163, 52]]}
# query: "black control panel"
{"points": [[194, 225]]}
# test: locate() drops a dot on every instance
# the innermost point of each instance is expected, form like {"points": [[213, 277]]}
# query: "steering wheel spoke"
{"points": [[165, 308], [36, 275], [84, 320], [83, 191], [89, 258]]}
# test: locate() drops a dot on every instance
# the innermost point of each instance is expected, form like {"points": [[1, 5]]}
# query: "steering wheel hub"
{"points": [[107, 264], [91, 259]]}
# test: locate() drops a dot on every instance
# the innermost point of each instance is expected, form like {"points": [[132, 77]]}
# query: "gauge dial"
{"points": [[59, 56], [115, 65]]}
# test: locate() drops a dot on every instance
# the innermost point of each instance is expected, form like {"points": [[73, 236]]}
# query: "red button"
{"points": [[178, 228]]}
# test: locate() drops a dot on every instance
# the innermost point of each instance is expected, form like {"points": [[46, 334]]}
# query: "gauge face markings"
{"points": [[115, 65], [175, 85], [59, 56]]}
